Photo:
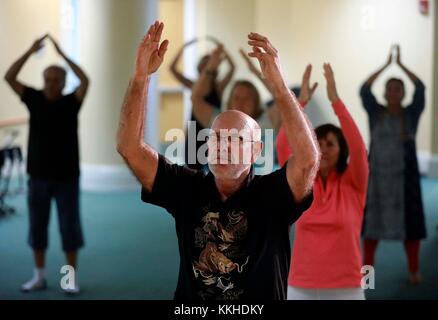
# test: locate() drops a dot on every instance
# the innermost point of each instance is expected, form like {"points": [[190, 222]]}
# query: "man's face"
{"points": [[395, 92], [233, 145], [54, 82]]}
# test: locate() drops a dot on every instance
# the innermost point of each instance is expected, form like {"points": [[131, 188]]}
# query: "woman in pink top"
{"points": [[326, 256]]}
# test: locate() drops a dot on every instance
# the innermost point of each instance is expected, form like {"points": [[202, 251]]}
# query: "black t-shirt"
{"points": [[214, 100], [53, 149], [232, 250]]}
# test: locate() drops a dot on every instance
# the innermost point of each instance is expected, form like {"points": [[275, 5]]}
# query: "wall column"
{"points": [[110, 32]]}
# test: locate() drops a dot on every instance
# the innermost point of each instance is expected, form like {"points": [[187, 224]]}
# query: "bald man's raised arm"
{"points": [[140, 157], [303, 166]]}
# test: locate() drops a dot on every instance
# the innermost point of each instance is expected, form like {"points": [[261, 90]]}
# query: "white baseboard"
{"points": [[424, 158], [428, 164], [95, 178], [433, 166], [107, 178], [118, 178]]}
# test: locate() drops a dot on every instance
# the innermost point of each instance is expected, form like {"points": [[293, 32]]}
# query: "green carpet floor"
{"points": [[131, 253]]}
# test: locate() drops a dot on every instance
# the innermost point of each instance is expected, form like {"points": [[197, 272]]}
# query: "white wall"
{"points": [[354, 36], [230, 22], [21, 23], [105, 44]]}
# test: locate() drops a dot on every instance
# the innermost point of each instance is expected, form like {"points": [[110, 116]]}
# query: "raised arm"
{"points": [[186, 82], [409, 73], [369, 101], [357, 170], [221, 86], [254, 70], [284, 151], [273, 112], [202, 110], [303, 166], [370, 81], [307, 91], [14, 70], [140, 157], [229, 76], [81, 91], [419, 101]]}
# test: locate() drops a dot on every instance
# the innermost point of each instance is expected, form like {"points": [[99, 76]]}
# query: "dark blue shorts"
{"points": [[66, 194]]}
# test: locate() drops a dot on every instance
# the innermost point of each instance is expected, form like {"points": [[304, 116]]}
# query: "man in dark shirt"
{"points": [[52, 159], [232, 226]]}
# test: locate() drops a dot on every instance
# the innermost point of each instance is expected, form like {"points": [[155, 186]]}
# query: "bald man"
{"points": [[232, 225], [52, 159]]}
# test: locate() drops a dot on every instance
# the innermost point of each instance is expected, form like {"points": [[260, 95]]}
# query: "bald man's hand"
{"points": [[269, 60], [151, 52]]}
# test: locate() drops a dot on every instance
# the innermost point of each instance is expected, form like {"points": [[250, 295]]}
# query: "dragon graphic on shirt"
{"points": [[217, 260]]}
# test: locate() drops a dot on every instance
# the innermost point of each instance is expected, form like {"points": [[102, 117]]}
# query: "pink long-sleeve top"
{"points": [[326, 252]]}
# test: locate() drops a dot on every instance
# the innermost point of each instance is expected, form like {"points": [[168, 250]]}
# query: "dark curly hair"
{"points": [[323, 131]]}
